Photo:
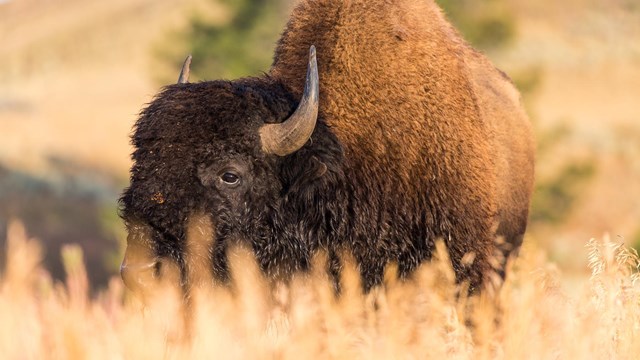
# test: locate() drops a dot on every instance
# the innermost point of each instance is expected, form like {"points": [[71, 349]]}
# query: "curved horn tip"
{"points": [[289, 136], [186, 69]]}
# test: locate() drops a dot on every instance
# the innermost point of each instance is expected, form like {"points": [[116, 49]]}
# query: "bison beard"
{"points": [[417, 138]]}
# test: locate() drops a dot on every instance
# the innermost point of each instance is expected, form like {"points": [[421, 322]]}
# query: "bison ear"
{"points": [[304, 171], [186, 69], [316, 169]]}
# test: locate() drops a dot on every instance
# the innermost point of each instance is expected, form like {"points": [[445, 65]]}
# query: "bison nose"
{"points": [[138, 277]]}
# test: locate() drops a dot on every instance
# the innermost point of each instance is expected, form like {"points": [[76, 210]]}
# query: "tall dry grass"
{"points": [[418, 318]]}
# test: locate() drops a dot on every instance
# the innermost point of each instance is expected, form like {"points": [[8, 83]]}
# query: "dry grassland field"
{"points": [[74, 75], [531, 317]]}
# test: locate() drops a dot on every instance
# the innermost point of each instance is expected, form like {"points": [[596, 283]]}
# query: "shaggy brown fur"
{"points": [[422, 114], [418, 138]]}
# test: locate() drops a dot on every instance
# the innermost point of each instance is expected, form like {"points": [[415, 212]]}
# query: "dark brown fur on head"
{"points": [[189, 136], [419, 138]]}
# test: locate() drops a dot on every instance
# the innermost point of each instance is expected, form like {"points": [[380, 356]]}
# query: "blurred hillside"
{"points": [[74, 74]]}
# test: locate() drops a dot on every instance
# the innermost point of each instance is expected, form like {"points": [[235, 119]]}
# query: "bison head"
{"points": [[238, 152]]}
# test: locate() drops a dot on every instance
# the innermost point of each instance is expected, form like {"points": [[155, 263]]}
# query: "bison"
{"points": [[389, 134]]}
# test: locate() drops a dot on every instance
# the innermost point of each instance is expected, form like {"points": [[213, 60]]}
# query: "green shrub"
{"points": [[241, 45], [554, 198], [556, 195]]}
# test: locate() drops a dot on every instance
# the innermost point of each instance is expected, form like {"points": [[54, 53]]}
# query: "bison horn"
{"points": [[184, 73], [289, 136]]}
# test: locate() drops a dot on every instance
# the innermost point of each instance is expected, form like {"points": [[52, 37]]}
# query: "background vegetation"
{"points": [[240, 45]]}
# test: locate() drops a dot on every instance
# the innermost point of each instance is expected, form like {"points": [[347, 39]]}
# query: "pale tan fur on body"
{"points": [[407, 96]]}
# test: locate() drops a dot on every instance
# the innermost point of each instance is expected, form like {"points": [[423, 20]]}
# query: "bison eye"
{"points": [[230, 178]]}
